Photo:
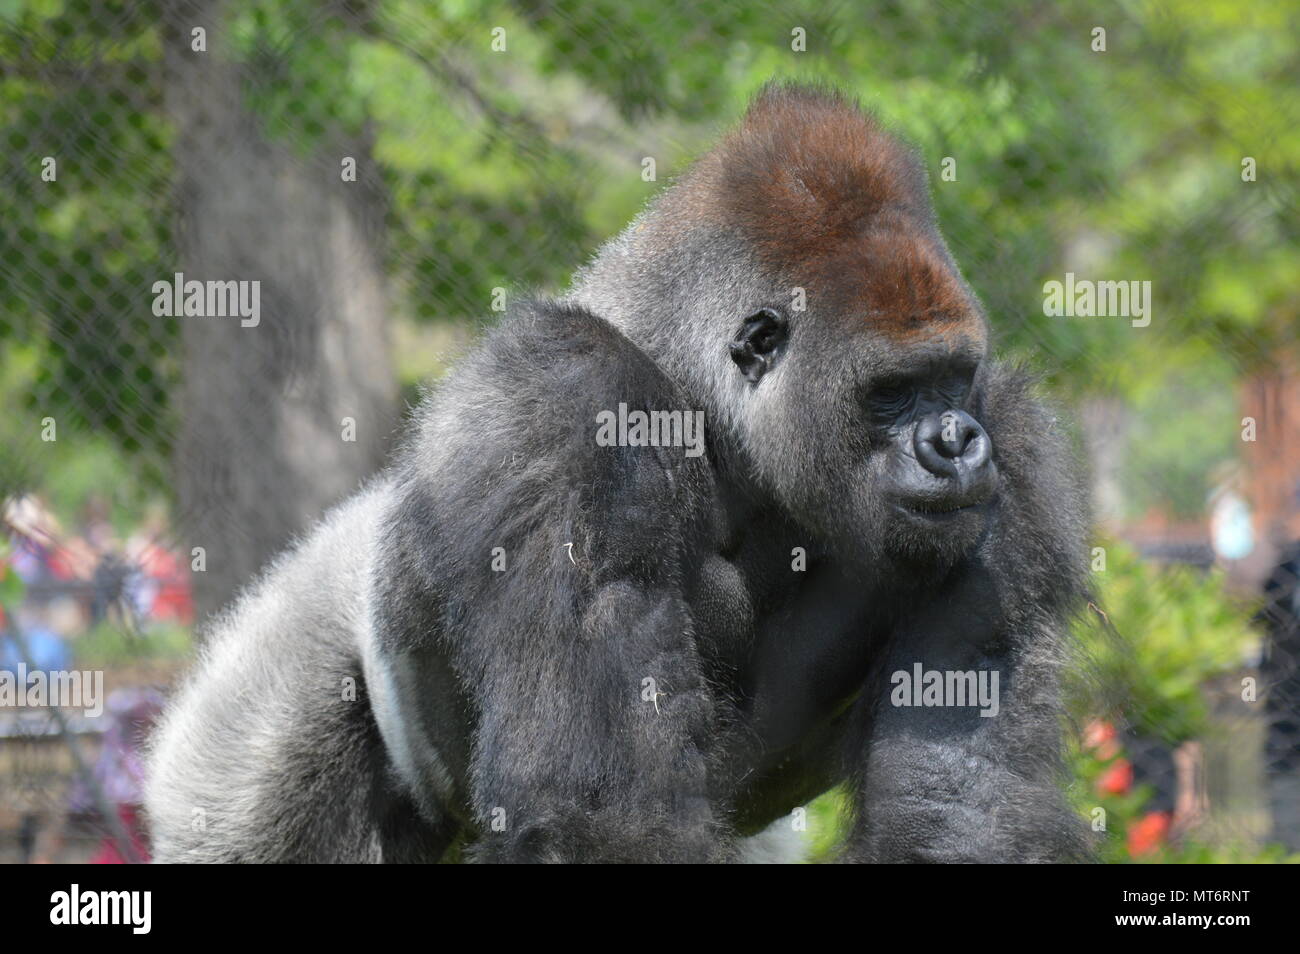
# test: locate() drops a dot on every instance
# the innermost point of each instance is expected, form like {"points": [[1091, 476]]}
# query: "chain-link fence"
{"points": [[360, 185]]}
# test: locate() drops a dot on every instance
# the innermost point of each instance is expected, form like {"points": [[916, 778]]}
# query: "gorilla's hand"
{"points": [[966, 775]]}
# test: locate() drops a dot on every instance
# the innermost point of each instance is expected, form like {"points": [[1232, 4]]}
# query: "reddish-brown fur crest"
{"points": [[829, 201]]}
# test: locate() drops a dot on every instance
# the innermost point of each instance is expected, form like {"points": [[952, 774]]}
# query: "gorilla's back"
{"points": [[232, 777]]}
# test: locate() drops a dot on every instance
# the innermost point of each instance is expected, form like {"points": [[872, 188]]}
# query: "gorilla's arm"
{"points": [[946, 783], [575, 659]]}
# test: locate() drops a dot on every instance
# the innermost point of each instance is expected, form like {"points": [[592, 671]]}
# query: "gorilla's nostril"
{"points": [[978, 450], [955, 434], [948, 442]]}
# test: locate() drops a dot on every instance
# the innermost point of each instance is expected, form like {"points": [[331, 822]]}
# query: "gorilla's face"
{"points": [[936, 476], [872, 441]]}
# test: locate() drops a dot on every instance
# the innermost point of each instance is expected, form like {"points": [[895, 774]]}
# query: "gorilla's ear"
{"points": [[758, 342]]}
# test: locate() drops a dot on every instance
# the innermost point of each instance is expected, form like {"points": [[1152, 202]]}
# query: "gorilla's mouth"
{"points": [[943, 468], [937, 510]]}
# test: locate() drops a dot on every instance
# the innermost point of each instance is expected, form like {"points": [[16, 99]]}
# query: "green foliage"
{"points": [[1167, 632], [109, 645], [828, 816], [80, 464], [77, 254], [1121, 809], [505, 168], [11, 585], [1126, 810], [1174, 629], [1193, 852], [1184, 425]]}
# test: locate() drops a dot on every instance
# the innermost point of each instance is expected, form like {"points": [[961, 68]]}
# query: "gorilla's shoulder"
{"points": [[516, 444], [571, 351], [536, 384]]}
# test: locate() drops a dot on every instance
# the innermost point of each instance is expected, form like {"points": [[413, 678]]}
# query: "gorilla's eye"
{"points": [[956, 388], [889, 402], [758, 343]]}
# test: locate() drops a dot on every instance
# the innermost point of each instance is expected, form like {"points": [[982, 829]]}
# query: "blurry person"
{"points": [[117, 777]]}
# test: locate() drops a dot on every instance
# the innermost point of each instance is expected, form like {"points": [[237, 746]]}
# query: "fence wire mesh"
{"points": [[390, 172]]}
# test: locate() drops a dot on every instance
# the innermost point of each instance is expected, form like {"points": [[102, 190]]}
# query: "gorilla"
{"points": [[541, 636]]}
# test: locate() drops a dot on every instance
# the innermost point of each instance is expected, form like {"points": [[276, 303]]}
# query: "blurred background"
{"points": [[393, 171]]}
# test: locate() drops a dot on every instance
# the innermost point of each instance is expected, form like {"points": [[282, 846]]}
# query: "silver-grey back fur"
{"points": [[269, 693]]}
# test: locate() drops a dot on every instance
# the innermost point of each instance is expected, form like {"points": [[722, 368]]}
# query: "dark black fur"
{"points": [[775, 682]]}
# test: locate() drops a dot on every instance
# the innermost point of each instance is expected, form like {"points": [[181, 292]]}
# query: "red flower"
{"points": [[1148, 834], [1117, 779], [1101, 739]]}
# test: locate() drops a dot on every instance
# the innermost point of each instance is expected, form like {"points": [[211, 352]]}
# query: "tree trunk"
{"points": [[261, 450]]}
